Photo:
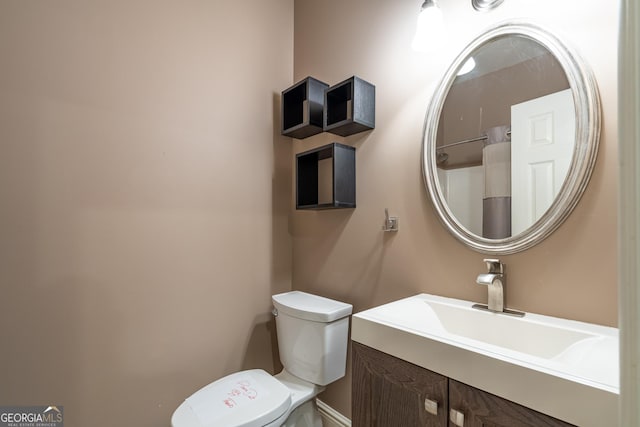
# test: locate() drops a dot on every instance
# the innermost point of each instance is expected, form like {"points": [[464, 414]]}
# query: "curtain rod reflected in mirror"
{"points": [[466, 141]]}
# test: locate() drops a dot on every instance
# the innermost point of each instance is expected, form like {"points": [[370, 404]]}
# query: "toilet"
{"points": [[313, 334]]}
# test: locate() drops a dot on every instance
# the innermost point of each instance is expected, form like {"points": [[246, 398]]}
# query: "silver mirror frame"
{"points": [[588, 122]]}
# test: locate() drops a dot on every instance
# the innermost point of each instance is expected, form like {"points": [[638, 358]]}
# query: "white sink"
{"points": [[524, 334], [563, 368]]}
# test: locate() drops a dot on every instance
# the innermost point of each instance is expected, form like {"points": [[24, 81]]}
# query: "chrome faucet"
{"points": [[495, 280]]}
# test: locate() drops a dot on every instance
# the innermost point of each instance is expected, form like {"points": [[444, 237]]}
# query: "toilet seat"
{"points": [[250, 398]]}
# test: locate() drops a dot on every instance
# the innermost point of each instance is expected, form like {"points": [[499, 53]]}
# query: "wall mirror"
{"points": [[510, 138]]}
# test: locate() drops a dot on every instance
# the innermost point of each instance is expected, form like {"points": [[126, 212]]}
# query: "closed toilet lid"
{"points": [[250, 398]]}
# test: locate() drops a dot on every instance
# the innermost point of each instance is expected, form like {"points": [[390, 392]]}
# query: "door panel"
{"points": [[542, 141]]}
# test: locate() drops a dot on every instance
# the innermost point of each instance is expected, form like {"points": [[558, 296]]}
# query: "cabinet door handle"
{"points": [[431, 406], [456, 417]]}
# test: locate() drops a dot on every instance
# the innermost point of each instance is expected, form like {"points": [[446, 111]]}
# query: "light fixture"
{"points": [[430, 27], [484, 5], [468, 65]]}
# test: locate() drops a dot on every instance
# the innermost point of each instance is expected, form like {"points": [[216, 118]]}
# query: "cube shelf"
{"points": [[326, 177], [303, 108], [350, 107]]}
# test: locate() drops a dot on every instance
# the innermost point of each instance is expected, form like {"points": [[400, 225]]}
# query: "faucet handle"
{"points": [[494, 266]]}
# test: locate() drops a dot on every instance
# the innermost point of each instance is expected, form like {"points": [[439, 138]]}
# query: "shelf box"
{"points": [[303, 108], [350, 107], [326, 177]]}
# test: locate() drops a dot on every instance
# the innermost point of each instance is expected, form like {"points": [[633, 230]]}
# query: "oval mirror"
{"points": [[510, 138]]}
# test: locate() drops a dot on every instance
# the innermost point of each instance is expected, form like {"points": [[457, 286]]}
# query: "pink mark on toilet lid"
{"points": [[247, 398]]}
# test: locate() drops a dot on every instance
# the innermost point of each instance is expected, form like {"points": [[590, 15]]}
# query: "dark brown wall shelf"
{"points": [[303, 108], [350, 107], [326, 177]]}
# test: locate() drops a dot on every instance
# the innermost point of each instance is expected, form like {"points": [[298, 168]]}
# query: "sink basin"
{"points": [[524, 335], [560, 367]]}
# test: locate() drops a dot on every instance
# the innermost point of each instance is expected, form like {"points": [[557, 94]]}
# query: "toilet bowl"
{"points": [[312, 338]]}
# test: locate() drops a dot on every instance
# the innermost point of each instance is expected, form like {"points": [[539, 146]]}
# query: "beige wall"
{"points": [[145, 198], [344, 254]]}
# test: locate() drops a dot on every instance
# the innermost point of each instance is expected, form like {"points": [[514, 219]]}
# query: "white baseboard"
{"points": [[331, 417]]}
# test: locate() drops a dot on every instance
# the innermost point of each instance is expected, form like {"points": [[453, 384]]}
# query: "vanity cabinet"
{"points": [[485, 409], [390, 392]]}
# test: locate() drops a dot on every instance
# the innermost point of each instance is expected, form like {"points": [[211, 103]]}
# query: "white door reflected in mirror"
{"points": [[542, 131]]}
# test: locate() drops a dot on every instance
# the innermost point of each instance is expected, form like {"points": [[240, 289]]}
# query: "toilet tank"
{"points": [[313, 333]]}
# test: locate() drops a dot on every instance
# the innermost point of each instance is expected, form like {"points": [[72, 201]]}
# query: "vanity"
{"points": [[507, 152], [435, 361]]}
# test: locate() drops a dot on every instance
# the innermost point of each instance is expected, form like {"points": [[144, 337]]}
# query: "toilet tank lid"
{"points": [[311, 307]]}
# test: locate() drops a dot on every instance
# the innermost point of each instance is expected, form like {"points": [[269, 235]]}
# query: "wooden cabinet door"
{"points": [[482, 409], [389, 392]]}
